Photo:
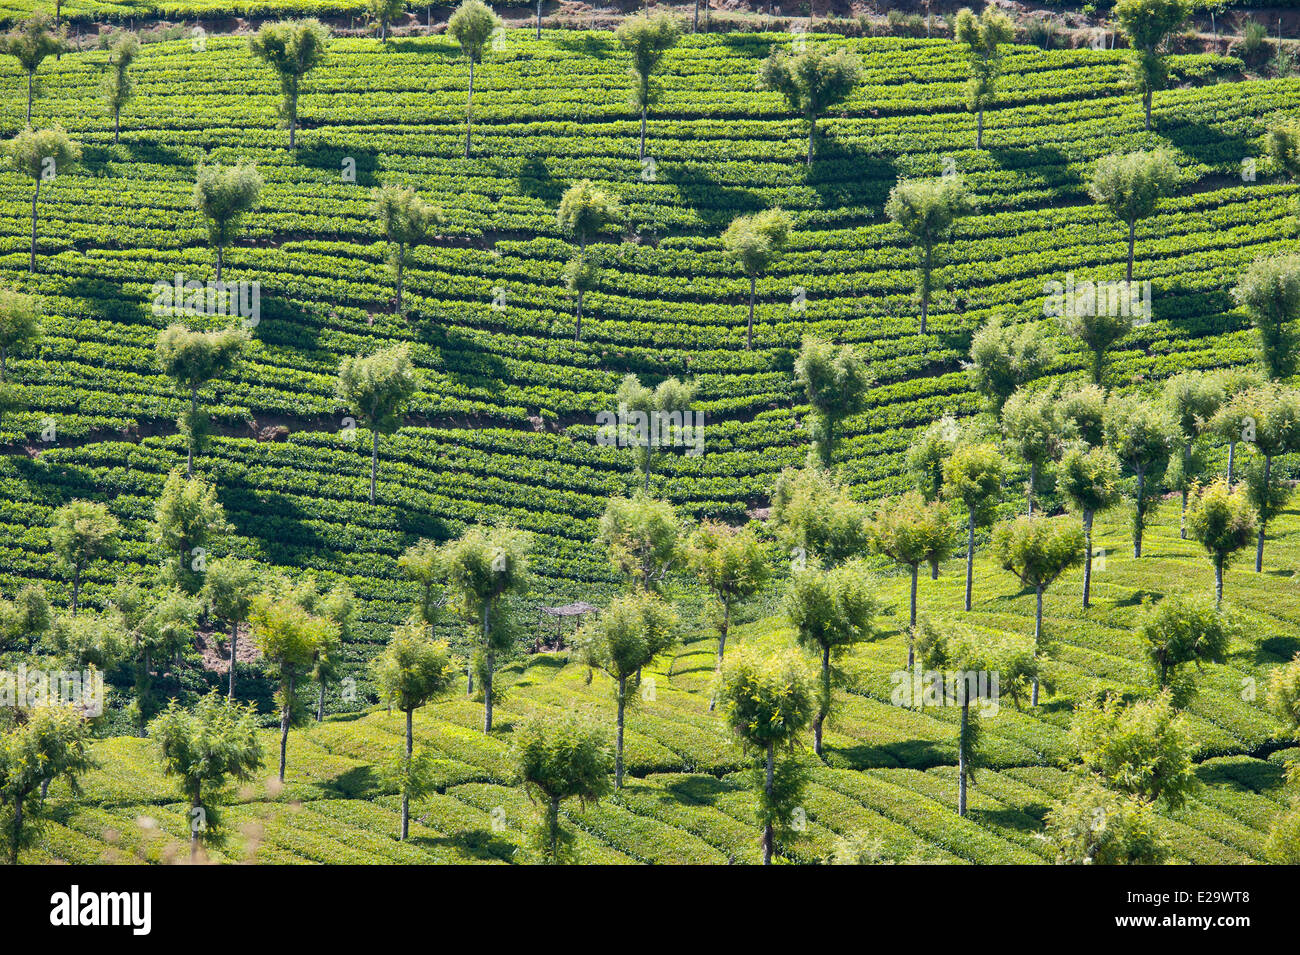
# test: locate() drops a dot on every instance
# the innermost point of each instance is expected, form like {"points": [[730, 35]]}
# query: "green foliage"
{"points": [[768, 699], [292, 49], [1178, 631], [982, 36], [83, 531], [187, 518], [926, 456], [926, 209], [647, 39], [1142, 434], [1038, 549], [911, 531], [193, 358], [377, 387], [1284, 694], [1270, 292], [811, 82], [385, 12], [1222, 520], [472, 25], [1142, 748], [835, 380], [972, 476], [205, 748], [1131, 185], [1283, 147], [412, 669], [1005, 358], [42, 153], [628, 635], [833, 609], [730, 562], [815, 519], [585, 210], [223, 195], [643, 537], [1095, 827], [20, 324], [51, 743], [754, 242], [118, 84]]}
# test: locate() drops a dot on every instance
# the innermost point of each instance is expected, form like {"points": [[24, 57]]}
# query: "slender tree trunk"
{"points": [[539, 19], [926, 264], [1033, 483], [812, 137], [824, 704], [962, 769], [374, 458], [31, 266], [767, 789], [749, 335], [488, 663], [30, 78], [1218, 581], [1187, 458], [1132, 233], [234, 646], [469, 108], [979, 129], [16, 831], [284, 723], [618, 747], [1259, 545], [117, 119], [76, 586], [553, 810], [293, 113], [196, 802], [320, 703], [1038, 635], [1146, 102], [406, 795], [722, 644], [221, 256], [1139, 515], [695, 22], [1232, 456], [911, 623], [401, 262], [970, 556], [644, 110], [1087, 558], [189, 449]]}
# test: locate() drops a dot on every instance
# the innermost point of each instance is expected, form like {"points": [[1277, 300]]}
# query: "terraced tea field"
{"points": [[503, 424]]}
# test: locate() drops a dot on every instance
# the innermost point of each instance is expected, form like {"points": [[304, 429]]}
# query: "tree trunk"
{"points": [[220, 260], [1132, 231], [962, 768], [695, 23], [722, 644], [1033, 483], [618, 744], [196, 802], [117, 118], [374, 458], [539, 19], [1259, 545], [401, 262], [469, 108], [1087, 558], [749, 335], [1218, 582], [644, 110], [234, 645], [16, 833], [1232, 456], [970, 556], [1038, 635], [488, 663], [31, 266], [189, 450], [553, 810], [926, 263], [30, 77], [1146, 102], [823, 704], [979, 129], [406, 795], [76, 586], [284, 723], [320, 704], [812, 135], [293, 113], [767, 789], [1139, 515]]}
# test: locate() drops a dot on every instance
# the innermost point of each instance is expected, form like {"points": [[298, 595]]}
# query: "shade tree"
{"points": [[410, 672], [982, 36], [1131, 187], [223, 195], [203, 749], [42, 156], [482, 569], [191, 359], [972, 477], [1038, 550], [1034, 428], [646, 39], [557, 760], [1094, 826], [1177, 632], [188, 518], [406, 221], [584, 212], [1142, 748], [769, 701], [1142, 433], [31, 42], [229, 587], [292, 49], [1269, 291], [811, 82], [1194, 398], [911, 532], [20, 325], [814, 518], [926, 209], [472, 26], [831, 610], [1148, 25], [1222, 520], [1089, 480], [643, 537], [835, 380], [755, 242], [82, 532], [118, 86], [377, 389], [51, 742]]}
